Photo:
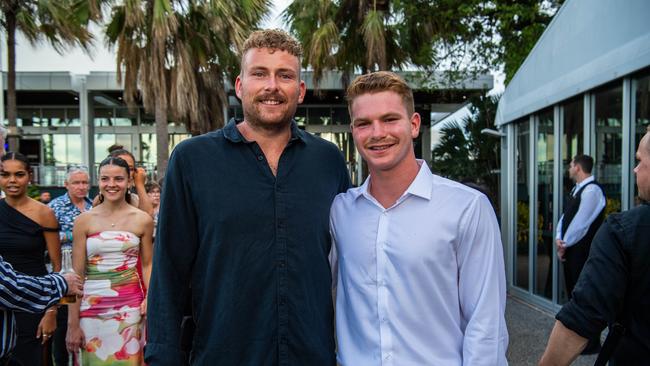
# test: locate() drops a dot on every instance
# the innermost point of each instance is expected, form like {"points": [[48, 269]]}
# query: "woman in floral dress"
{"points": [[106, 326]]}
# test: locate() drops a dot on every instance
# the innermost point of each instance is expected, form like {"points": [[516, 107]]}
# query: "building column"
{"points": [[86, 129]]}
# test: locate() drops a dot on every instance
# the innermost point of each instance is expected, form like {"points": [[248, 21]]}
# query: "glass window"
{"points": [[72, 117], [147, 119], [545, 235], [53, 117], [149, 148], [608, 144], [641, 119], [28, 117], [522, 210], [102, 142], [61, 149], [301, 116], [124, 118], [319, 116], [340, 116], [103, 117]]}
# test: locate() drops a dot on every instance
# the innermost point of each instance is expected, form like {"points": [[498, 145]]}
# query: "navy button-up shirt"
{"points": [[251, 247]]}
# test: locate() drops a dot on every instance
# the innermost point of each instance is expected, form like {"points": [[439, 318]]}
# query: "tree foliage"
{"points": [[519, 24], [465, 154], [62, 23], [462, 37], [174, 55]]}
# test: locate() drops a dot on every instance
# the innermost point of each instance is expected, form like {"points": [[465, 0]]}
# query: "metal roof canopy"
{"points": [[587, 44]]}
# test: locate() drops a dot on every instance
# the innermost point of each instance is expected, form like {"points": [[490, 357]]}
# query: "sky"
{"points": [[43, 57]]}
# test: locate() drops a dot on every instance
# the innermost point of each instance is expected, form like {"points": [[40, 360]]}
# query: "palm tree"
{"points": [[371, 35], [62, 23], [175, 55]]}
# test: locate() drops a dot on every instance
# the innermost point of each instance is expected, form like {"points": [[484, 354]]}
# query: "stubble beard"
{"points": [[253, 116]]}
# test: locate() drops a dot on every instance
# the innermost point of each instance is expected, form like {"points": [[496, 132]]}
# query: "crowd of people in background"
{"points": [[260, 226], [111, 238]]}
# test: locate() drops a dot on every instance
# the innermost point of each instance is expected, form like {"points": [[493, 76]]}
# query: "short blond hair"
{"points": [[380, 81], [274, 39]]}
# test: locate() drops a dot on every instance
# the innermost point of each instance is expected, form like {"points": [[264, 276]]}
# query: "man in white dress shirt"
{"points": [[583, 215], [419, 260]]}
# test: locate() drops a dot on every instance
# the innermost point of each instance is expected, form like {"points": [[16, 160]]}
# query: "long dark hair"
{"points": [[112, 160]]}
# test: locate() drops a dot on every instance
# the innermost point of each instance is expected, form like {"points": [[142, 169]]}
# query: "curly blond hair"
{"points": [[274, 39]]}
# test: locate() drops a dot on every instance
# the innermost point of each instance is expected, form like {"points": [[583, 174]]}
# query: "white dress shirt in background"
{"points": [[421, 282], [592, 201]]}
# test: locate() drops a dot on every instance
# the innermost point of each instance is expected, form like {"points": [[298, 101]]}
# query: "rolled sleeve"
{"points": [[599, 293]]}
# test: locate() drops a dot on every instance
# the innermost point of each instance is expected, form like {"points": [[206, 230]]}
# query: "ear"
{"points": [[303, 90], [415, 125], [238, 86]]}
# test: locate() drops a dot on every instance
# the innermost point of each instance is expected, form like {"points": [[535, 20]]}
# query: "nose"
{"points": [[271, 83], [378, 129]]}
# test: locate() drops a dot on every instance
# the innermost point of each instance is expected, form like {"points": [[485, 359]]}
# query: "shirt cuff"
{"points": [[60, 283]]}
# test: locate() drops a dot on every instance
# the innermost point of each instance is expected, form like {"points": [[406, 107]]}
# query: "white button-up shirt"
{"points": [[592, 202], [421, 282]]}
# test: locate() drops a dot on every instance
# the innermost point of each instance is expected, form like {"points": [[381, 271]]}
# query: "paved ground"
{"points": [[529, 328]]}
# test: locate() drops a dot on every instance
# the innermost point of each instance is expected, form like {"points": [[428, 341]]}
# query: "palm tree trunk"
{"points": [[13, 139], [162, 140]]}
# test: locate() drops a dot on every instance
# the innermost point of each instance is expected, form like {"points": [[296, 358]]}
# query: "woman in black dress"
{"points": [[27, 229]]}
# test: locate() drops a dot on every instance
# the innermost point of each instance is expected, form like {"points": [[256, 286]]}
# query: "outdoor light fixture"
{"points": [[493, 133]]}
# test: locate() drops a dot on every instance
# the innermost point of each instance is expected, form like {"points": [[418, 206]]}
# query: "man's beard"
{"points": [[254, 117]]}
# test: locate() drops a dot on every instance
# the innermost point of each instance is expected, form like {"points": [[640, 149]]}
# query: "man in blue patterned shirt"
{"points": [[66, 209], [75, 201]]}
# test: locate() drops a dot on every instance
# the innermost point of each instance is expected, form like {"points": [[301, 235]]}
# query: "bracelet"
{"points": [[50, 310]]}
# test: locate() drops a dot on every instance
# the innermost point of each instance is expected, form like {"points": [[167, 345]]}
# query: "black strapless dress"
{"points": [[22, 244]]}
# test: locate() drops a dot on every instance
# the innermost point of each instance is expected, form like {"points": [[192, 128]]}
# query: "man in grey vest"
{"points": [[583, 215]]}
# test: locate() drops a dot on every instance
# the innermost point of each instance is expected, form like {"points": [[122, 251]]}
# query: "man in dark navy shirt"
{"points": [[244, 229]]}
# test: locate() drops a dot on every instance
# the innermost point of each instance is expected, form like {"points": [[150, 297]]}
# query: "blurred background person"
{"points": [[138, 177], [45, 197], [153, 191], [66, 209], [106, 327], [27, 229]]}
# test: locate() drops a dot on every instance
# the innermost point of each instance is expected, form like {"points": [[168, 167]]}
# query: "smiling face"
{"points": [[14, 178], [113, 182], [269, 87], [383, 130]]}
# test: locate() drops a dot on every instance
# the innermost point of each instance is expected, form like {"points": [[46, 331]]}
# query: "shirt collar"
{"points": [[67, 201], [421, 186], [231, 132], [585, 182]]}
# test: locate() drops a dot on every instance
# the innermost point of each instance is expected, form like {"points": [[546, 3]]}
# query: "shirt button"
{"points": [[281, 264], [384, 320], [260, 157], [387, 356]]}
